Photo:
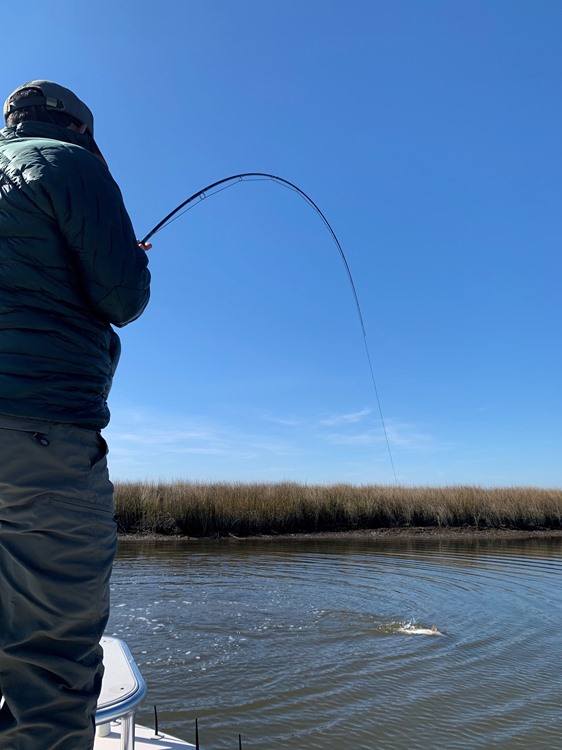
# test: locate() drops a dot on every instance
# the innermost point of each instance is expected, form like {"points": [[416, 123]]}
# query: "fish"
{"points": [[414, 630]]}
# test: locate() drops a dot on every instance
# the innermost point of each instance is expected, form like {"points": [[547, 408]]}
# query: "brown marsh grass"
{"points": [[244, 509]]}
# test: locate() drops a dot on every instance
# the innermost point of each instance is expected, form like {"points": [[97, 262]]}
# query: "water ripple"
{"points": [[300, 646]]}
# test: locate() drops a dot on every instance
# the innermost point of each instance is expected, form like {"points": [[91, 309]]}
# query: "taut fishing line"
{"points": [[227, 182]]}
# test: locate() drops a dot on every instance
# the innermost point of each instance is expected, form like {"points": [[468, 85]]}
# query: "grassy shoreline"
{"points": [[240, 510]]}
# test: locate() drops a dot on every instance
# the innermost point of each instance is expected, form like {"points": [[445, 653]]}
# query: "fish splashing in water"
{"points": [[411, 629]]}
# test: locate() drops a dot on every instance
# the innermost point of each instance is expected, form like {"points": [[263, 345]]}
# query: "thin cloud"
{"points": [[147, 443], [342, 419], [156, 439]]}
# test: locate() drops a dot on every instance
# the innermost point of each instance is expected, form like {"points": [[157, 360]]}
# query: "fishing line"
{"points": [[228, 182]]}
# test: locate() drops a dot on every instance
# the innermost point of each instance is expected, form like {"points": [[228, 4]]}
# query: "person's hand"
{"points": [[146, 246]]}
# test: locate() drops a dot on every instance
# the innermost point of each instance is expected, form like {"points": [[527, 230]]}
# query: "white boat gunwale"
{"points": [[123, 690]]}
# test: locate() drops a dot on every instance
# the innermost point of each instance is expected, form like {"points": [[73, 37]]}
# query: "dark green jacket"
{"points": [[69, 268]]}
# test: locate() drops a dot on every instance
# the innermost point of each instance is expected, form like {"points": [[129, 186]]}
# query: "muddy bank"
{"points": [[406, 532]]}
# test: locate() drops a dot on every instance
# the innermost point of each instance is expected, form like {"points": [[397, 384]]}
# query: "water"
{"points": [[297, 645]]}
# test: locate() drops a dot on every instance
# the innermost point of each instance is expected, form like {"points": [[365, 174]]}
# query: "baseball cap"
{"points": [[57, 98]]}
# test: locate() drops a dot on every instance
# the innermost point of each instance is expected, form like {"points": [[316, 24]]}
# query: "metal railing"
{"points": [[123, 707]]}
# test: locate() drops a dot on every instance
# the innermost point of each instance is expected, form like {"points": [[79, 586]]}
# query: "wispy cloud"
{"points": [[342, 419], [409, 436], [147, 443]]}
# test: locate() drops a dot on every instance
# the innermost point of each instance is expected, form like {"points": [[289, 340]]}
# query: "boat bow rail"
{"points": [[123, 690]]}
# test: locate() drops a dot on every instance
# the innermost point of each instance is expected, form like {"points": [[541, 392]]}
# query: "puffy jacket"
{"points": [[70, 267]]}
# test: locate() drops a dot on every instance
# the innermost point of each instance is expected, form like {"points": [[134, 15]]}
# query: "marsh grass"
{"points": [[243, 509]]}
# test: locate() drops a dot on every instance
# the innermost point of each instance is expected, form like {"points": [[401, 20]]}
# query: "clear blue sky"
{"points": [[429, 132]]}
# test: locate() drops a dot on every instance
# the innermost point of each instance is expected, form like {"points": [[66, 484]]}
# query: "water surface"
{"points": [[297, 645]]}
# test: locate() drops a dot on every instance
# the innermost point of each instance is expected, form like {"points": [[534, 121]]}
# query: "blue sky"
{"points": [[429, 133]]}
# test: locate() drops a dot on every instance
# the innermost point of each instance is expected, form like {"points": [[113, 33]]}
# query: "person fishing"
{"points": [[71, 268]]}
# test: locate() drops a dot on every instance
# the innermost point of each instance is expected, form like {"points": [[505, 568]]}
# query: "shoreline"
{"points": [[287, 510], [466, 533]]}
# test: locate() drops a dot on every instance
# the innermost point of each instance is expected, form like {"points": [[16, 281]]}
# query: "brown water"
{"points": [[297, 644]]}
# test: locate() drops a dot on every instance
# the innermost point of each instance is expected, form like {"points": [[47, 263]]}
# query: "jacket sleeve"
{"points": [[89, 209]]}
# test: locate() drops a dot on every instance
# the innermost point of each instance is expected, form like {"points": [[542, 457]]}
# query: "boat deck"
{"points": [[145, 739]]}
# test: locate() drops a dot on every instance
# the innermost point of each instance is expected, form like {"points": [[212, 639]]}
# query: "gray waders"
{"points": [[57, 544]]}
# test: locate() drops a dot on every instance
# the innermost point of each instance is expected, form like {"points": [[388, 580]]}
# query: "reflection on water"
{"points": [[298, 644]]}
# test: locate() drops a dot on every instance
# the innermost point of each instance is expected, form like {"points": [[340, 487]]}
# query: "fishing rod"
{"points": [[227, 182]]}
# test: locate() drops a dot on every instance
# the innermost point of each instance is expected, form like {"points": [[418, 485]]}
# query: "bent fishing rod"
{"points": [[227, 182]]}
